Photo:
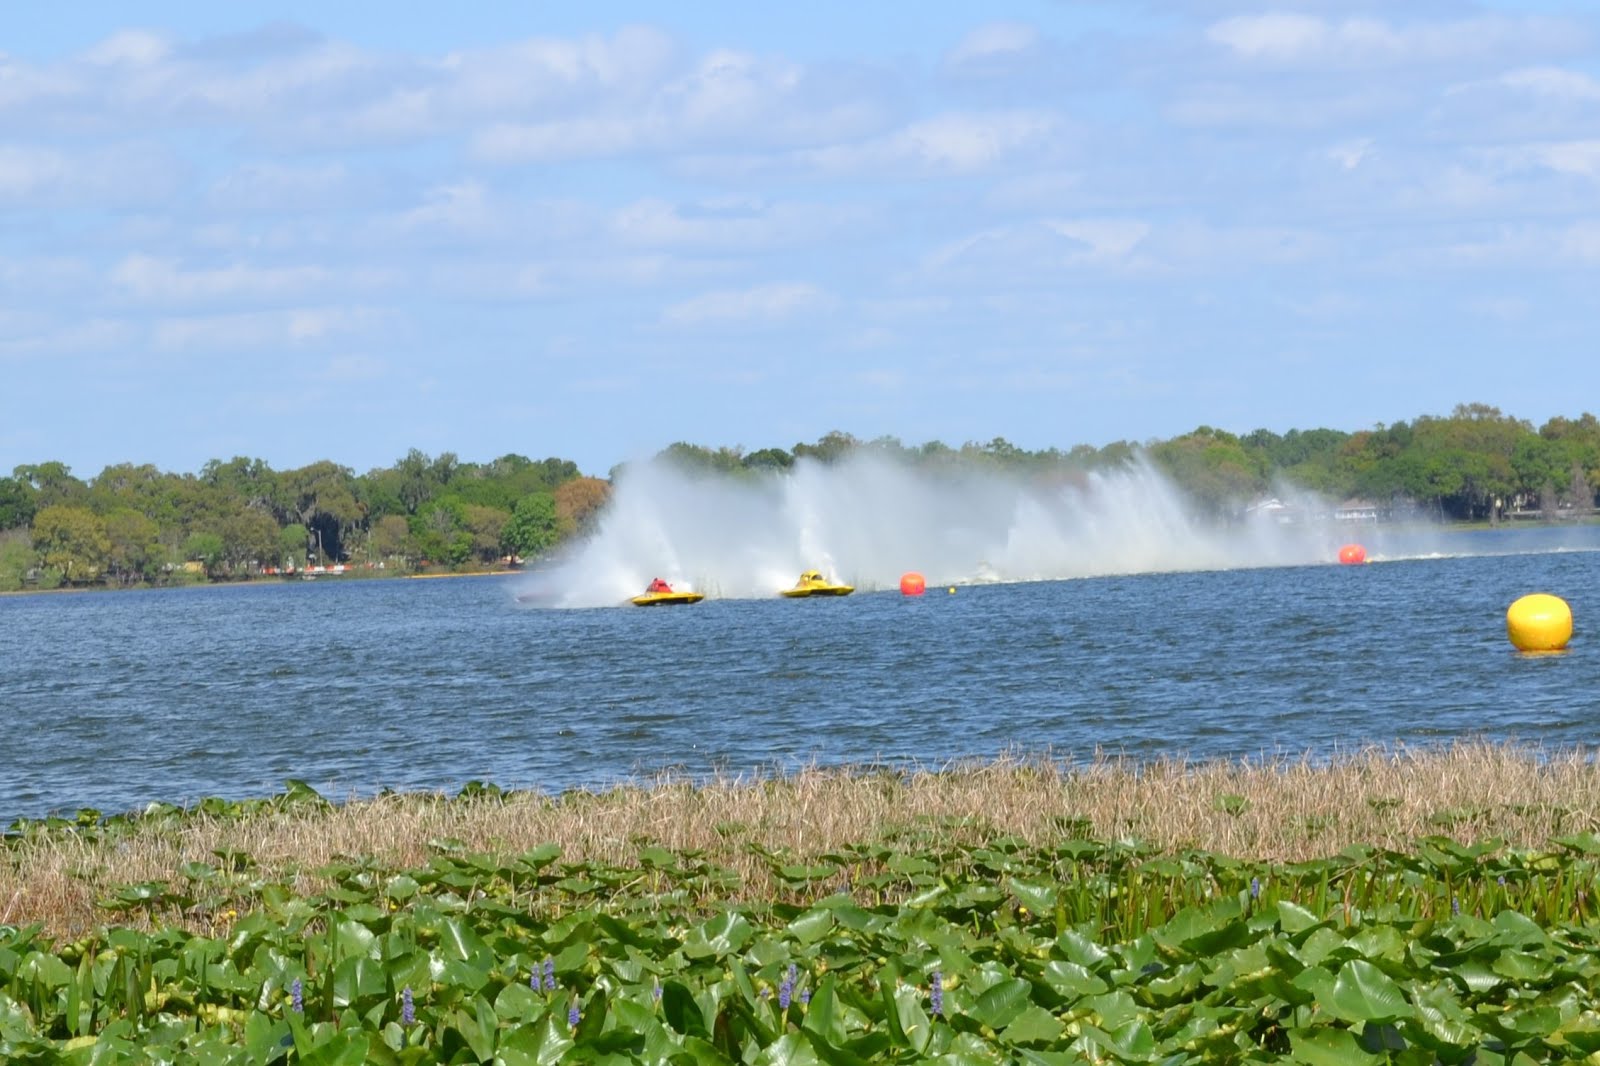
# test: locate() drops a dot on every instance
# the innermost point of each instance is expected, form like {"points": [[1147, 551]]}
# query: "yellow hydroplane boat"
{"points": [[661, 594], [812, 583]]}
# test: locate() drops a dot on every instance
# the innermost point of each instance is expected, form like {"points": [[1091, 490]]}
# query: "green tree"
{"points": [[579, 503], [485, 525], [321, 497], [249, 540], [135, 551], [250, 482], [440, 532], [830, 448], [700, 459], [71, 541], [16, 503], [53, 482], [391, 538], [1213, 467], [17, 559], [292, 546], [206, 549], [534, 527]]}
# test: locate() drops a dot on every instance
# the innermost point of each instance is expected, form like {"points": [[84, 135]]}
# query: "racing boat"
{"points": [[812, 583], [661, 594]]}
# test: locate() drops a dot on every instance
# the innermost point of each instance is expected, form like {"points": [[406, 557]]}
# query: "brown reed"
{"points": [[1274, 809]]}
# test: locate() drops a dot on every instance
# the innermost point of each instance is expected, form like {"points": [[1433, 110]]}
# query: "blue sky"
{"points": [[302, 231]]}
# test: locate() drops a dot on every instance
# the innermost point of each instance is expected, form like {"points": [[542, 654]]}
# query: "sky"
{"points": [[303, 231]]}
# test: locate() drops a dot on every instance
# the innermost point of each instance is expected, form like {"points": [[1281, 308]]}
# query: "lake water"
{"points": [[116, 699]]}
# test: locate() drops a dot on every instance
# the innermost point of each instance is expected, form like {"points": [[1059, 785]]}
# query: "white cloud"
{"points": [[727, 99], [951, 143], [1351, 154], [994, 39], [763, 303], [1001, 255], [108, 177], [1533, 247], [731, 222], [1105, 239], [261, 329], [131, 48], [540, 71], [1581, 241], [1285, 107], [282, 187], [1289, 38], [1553, 82], [155, 280], [343, 368], [880, 378], [545, 142], [1578, 158], [45, 335], [26, 171]]}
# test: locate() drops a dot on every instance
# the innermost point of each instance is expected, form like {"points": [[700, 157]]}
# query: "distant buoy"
{"points": [[952, 590], [912, 584], [1351, 554], [1539, 622]]}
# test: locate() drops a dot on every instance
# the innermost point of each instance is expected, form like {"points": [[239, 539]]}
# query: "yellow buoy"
{"points": [[952, 590], [1539, 622]]}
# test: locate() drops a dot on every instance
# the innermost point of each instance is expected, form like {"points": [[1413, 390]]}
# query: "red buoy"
{"points": [[913, 584], [1351, 554]]}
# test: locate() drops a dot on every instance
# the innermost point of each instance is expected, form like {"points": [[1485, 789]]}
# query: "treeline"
{"points": [[1474, 465], [134, 525]]}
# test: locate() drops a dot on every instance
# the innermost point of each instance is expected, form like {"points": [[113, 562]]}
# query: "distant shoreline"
{"points": [[264, 579]]}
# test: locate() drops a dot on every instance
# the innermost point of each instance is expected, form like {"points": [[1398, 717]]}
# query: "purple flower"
{"points": [[408, 1012], [786, 989], [1502, 880], [655, 993], [936, 994], [1255, 888], [805, 997], [296, 997], [1455, 905], [549, 974], [572, 1015]]}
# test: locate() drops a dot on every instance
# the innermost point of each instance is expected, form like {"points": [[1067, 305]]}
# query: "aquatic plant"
{"points": [[1075, 949], [943, 935]]}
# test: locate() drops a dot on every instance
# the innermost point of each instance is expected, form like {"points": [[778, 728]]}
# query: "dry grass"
{"points": [[1277, 810]]}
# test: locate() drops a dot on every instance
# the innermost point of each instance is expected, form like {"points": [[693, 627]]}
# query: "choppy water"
{"points": [[113, 700]]}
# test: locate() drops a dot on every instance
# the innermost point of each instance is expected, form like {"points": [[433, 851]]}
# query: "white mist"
{"points": [[868, 519]]}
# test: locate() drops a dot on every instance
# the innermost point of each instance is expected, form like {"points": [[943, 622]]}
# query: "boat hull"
{"points": [[666, 599], [817, 590]]}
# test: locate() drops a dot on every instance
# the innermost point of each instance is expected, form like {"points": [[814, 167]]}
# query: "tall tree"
{"points": [[17, 559], [71, 541], [534, 527], [579, 503], [53, 482], [321, 497], [134, 554], [17, 505]]}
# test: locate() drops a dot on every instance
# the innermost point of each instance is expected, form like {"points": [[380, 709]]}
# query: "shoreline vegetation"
{"points": [[137, 526], [1277, 810], [1388, 905]]}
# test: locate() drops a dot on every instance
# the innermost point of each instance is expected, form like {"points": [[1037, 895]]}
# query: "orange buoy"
{"points": [[913, 584], [1539, 622], [1351, 554]]}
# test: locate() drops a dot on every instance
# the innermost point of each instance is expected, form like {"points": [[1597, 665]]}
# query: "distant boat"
{"points": [[812, 583], [661, 594]]}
